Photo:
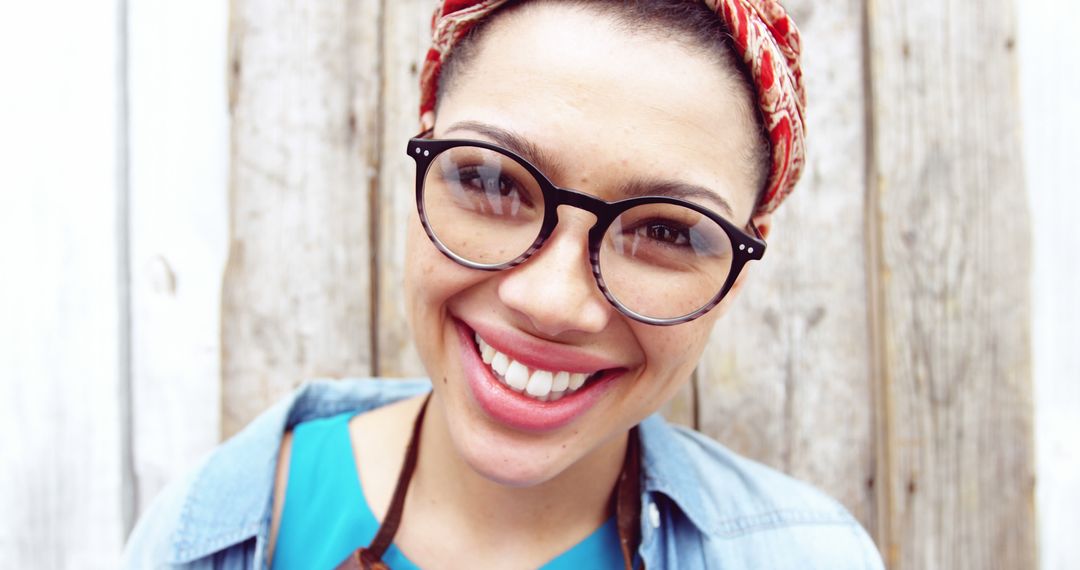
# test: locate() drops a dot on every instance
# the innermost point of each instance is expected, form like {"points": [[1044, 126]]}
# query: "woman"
{"points": [[592, 179]]}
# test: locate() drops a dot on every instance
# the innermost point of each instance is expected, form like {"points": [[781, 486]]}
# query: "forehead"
{"points": [[607, 103]]}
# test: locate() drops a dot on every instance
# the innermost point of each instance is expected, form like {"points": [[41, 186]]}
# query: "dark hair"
{"points": [[689, 22]]}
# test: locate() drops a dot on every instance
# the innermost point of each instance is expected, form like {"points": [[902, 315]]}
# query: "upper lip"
{"points": [[539, 354]]}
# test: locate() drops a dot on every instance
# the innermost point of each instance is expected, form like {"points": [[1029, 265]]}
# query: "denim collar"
{"points": [[241, 472]]}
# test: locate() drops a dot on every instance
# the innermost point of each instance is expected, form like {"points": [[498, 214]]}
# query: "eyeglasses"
{"points": [[657, 259]]}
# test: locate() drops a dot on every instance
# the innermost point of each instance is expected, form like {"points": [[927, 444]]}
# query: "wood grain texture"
{"points": [[786, 377], [62, 333], [406, 37], [952, 256], [178, 224], [304, 99]]}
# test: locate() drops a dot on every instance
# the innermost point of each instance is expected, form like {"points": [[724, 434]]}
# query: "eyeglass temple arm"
{"points": [[753, 228]]}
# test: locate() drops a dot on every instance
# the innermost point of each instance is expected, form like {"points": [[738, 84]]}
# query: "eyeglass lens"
{"points": [[659, 260]]}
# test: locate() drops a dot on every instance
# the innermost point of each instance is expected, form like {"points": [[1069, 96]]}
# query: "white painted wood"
{"points": [[179, 152], [1050, 88], [60, 272]]}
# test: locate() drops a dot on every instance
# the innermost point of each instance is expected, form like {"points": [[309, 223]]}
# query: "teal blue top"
{"points": [[326, 516]]}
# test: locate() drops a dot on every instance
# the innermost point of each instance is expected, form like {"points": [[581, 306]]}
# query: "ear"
{"points": [[763, 222], [427, 121]]}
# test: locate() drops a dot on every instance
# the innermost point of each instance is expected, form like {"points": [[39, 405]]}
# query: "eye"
{"points": [[491, 181], [665, 232]]}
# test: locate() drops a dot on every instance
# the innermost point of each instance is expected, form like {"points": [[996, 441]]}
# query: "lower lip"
{"points": [[515, 410]]}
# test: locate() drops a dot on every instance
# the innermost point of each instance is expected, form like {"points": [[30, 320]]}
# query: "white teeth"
{"points": [[542, 385], [517, 376], [539, 384], [500, 363], [561, 382], [487, 352]]}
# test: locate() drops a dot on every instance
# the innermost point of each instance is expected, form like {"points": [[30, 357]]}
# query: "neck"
{"points": [[563, 509]]}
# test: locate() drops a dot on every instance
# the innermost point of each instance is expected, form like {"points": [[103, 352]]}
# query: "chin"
{"points": [[516, 467]]}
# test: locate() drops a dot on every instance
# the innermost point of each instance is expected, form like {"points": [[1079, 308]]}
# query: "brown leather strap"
{"points": [[361, 560], [627, 498], [371, 557]]}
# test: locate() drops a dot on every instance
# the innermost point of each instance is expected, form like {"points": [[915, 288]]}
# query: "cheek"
{"points": [[418, 260], [431, 280], [672, 353], [426, 287]]}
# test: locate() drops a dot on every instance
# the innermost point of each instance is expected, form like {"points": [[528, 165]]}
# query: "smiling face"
{"points": [[607, 109]]}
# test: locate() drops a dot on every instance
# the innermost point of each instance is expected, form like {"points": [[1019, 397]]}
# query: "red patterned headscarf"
{"points": [[763, 34]]}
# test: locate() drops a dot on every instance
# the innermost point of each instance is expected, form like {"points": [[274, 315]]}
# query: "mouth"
{"points": [[536, 383], [528, 386]]}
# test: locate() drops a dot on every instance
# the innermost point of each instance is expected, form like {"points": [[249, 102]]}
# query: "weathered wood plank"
{"points": [[178, 222], [952, 248], [406, 37], [786, 378], [304, 98], [62, 334]]}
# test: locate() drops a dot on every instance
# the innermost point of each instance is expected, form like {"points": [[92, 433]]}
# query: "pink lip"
{"points": [[520, 412], [536, 353]]}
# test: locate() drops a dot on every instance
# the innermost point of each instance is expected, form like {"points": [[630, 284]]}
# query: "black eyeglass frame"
{"points": [[744, 247]]}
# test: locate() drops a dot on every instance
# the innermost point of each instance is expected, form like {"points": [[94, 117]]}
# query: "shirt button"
{"points": [[654, 515]]}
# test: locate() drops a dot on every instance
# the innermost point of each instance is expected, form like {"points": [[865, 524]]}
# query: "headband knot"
{"points": [[765, 37]]}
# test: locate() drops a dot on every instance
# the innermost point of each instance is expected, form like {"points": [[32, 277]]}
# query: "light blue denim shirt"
{"points": [[702, 505]]}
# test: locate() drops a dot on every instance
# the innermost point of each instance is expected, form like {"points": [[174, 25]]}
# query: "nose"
{"points": [[555, 289]]}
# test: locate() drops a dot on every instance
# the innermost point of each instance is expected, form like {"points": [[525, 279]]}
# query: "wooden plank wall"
{"points": [[178, 132], [228, 223], [406, 35], [951, 250], [304, 100]]}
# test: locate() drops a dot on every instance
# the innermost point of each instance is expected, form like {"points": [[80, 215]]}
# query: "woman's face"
{"points": [[604, 107]]}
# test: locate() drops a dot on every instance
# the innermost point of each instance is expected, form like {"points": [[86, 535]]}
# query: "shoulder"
{"points": [[745, 513], [226, 501], [149, 545]]}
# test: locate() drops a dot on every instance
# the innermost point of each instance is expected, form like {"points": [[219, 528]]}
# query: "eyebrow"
{"points": [[676, 189], [633, 189], [511, 141]]}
